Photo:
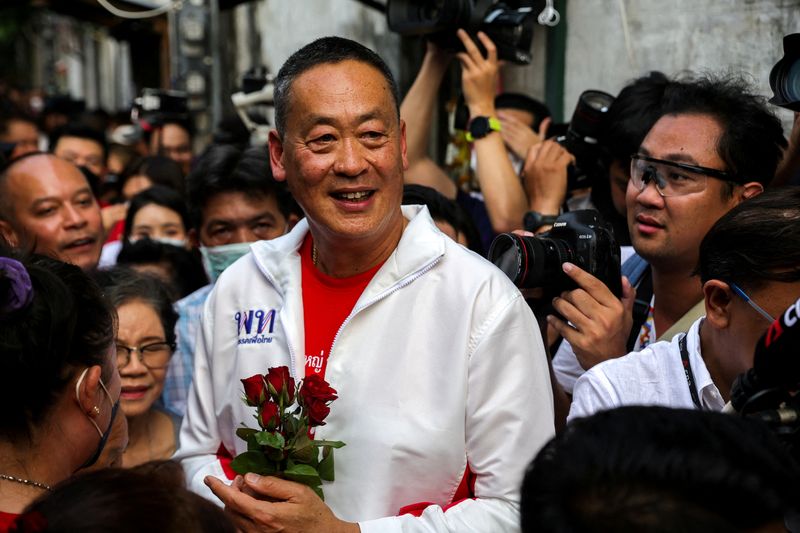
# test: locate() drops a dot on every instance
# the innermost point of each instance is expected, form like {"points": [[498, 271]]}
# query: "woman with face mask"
{"points": [[59, 383], [144, 345]]}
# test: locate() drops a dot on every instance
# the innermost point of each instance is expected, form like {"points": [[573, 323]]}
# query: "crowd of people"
{"points": [[141, 283]]}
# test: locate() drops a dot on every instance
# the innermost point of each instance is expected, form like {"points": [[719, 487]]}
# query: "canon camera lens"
{"points": [[529, 261]]}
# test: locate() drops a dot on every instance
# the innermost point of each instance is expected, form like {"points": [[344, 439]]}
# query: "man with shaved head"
{"points": [[47, 206]]}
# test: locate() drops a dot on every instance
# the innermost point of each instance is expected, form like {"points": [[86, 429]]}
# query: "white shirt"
{"points": [[654, 376]]}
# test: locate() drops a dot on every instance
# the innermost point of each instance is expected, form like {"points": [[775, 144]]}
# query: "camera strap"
{"points": [[687, 370]]}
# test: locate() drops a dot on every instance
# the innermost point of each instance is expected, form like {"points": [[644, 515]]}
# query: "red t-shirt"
{"points": [[327, 302], [6, 520]]}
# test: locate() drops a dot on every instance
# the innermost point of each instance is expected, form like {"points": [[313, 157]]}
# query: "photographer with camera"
{"points": [[749, 267], [715, 146], [505, 199]]}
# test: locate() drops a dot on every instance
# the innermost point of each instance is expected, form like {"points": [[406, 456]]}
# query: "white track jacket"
{"points": [[440, 367]]}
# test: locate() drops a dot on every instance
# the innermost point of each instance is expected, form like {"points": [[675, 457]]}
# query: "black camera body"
{"points": [[509, 24], [581, 139], [579, 237], [784, 79], [157, 107]]}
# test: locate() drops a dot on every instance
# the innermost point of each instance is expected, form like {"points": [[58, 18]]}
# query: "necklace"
{"points": [[314, 254], [26, 482]]}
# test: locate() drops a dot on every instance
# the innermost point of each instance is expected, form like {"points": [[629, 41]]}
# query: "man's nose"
{"points": [[650, 195], [74, 217], [350, 160]]}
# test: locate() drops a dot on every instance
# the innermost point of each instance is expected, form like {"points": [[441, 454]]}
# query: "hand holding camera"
{"points": [[599, 322], [479, 74]]}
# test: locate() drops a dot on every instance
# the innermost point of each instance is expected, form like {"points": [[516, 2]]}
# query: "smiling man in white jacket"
{"points": [[444, 392]]}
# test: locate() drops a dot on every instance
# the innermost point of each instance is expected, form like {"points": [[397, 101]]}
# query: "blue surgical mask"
{"points": [[103, 434], [217, 258]]}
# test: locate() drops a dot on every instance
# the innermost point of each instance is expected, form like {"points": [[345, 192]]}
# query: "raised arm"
{"points": [[502, 190], [417, 110]]}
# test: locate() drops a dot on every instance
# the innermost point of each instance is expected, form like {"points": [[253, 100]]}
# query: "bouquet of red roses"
{"points": [[283, 446]]}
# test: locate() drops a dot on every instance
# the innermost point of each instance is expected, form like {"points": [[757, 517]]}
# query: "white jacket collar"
{"points": [[421, 245]]}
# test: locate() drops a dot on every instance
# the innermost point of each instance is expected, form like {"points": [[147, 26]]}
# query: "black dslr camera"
{"points": [[509, 24], [579, 237], [157, 106], [581, 139], [784, 79]]}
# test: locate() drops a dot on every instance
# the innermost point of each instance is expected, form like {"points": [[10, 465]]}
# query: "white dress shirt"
{"points": [[654, 376]]}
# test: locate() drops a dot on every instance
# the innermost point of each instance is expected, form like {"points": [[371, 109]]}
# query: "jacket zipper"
{"points": [[381, 296], [283, 296]]}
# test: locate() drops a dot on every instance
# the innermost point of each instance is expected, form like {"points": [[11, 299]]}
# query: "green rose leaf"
{"points": [[329, 443], [270, 439], [244, 432], [304, 474], [326, 465], [252, 462]]}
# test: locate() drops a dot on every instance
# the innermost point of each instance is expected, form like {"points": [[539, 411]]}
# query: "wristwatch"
{"points": [[534, 220], [480, 127]]}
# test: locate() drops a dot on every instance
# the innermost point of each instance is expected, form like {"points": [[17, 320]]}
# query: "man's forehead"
{"points": [[685, 137], [44, 171], [73, 143], [236, 205]]}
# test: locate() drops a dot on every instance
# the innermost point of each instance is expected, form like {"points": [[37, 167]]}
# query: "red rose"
{"points": [[317, 412], [254, 390], [280, 383], [316, 389], [268, 415]]}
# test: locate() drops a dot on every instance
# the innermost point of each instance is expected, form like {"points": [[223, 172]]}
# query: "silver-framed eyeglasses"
{"points": [[749, 301], [671, 177], [154, 355]]}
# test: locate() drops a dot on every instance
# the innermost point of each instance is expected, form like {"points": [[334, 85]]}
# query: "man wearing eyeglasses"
{"points": [[750, 272], [715, 146]]}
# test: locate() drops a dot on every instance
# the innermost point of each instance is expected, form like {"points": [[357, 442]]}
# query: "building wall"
{"points": [[609, 42], [285, 26]]}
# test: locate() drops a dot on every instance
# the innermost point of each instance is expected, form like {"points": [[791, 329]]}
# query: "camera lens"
{"points": [[788, 82], [597, 100], [530, 262]]}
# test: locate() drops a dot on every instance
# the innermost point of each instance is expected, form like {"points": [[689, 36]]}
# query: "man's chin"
{"points": [[86, 261]]}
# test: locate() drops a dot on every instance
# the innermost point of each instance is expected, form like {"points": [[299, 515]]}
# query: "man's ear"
{"points": [[276, 156], [403, 144], [9, 234], [718, 300], [751, 190], [87, 389]]}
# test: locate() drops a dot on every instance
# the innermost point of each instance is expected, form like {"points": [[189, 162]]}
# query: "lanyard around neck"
{"points": [[687, 370]]}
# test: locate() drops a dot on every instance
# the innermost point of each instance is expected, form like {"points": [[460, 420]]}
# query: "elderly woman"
{"points": [[145, 342], [58, 377]]}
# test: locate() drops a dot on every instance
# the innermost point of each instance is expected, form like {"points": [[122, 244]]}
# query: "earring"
{"points": [[96, 410]]}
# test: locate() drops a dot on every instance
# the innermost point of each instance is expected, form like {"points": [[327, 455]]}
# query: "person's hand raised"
{"points": [[479, 74], [545, 176], [518, 136], [259, 504]]}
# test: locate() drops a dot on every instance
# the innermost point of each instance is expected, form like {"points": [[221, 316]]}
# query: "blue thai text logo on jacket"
{"points": [[256, 325]]}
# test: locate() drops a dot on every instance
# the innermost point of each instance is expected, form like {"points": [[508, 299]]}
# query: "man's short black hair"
{"points": [[80, 131], [752, 141], [523, 102], [225, 168], [634, 111], [324, 51], [659, 470], [755, 242]]}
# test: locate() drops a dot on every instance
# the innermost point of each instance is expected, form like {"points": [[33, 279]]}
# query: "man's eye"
{"points": [[45, 211], [675, 176], [323, 139]]}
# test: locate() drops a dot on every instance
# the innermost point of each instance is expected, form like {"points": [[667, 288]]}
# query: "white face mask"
{"points": [[516, 162], [217, 258], [180, 243]]}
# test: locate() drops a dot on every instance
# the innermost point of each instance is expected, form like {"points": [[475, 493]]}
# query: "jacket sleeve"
{"points": [[199, 437], [509, 417]]}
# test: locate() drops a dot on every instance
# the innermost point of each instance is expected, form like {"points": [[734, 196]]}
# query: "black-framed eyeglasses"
{"points": [[673, 178], [154, 355]]}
